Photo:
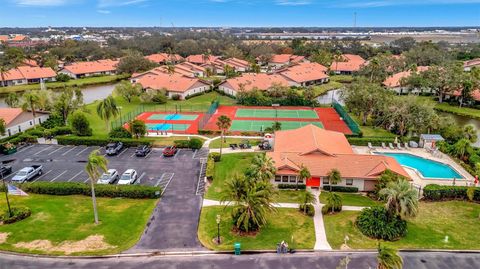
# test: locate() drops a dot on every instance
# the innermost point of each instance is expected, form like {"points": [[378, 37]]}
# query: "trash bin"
{"points": [[237, 248]]}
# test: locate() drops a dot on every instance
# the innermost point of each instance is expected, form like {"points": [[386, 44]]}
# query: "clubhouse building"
{"points": [[320, 151]]}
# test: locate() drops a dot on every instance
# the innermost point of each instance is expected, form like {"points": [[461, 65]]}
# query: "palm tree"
{"points": [[307, 198], [170, 68], [401, 199], [10, 59], [470, 133], [12, 100], [334, 202], [206, 56], [388, 258], [303, 175], [262, 168], [95, 165], [337, 57], [107, 109], [252, 201], [334, 177], [461, 147], [31, 101], [223, 123]]}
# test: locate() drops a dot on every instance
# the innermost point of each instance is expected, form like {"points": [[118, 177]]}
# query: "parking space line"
{"points": [[194, 153], [47, 148], [66, 152], [46, 173], [11, 175], [81, 151], [140, 177], [76, 175], [56, 150], [25, 148], [176, 154], [119, 154], [85, 181], [133, 154], [148, 154], [168, 182], [55, 178]]}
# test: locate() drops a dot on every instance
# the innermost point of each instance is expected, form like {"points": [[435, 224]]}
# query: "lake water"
{"points": [[462, 121], [90, 93]]}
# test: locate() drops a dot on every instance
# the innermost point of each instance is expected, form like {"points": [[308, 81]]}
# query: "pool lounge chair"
{"points": [[406, 146], [370, 146], [399, 146], [383, 145], [390, 145]]}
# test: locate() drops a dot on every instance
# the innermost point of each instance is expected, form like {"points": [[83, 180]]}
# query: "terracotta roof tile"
{"points": [[471, 63], [9, 114], [79, 68], [164, 57], [199, 59], [28, 72], [250, 81], [304, 72], [172, 82], [394, 80], [350, 63]]}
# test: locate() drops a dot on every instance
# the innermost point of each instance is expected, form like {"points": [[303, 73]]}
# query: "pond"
{"points": [[90, 93]]}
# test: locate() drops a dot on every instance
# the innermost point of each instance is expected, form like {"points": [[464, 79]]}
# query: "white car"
{"points": [[129, 177], [108, 177]]}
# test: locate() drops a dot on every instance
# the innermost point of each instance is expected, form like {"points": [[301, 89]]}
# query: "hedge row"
{"points": [[75, 188], [31, 135], [291, 186], [433, 192], [96, 141], [376, 141], [340, 188]]}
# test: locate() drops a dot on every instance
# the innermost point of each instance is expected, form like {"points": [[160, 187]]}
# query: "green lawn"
{"points": [[284, 224], [462, 111], [61, 218], [351, 199], [82, 82], [229, 166], [215, 144], [455, 219], [199, 102], [289, 196], [371, 130], [342, 78], [323, 88]]}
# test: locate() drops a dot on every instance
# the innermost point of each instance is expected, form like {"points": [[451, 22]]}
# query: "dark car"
{"points": [[114, 148], [170, 151], [142, 150], [5, 170]]}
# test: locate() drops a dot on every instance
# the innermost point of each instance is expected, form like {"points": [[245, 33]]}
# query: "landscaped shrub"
{"points": [[119, 132], [60, 130], [215, 156], [433, 192], [291, 186], [194, 95], [181, 143], [195, 143], [53, 121], [334, 203], [210, 171], [18, 214], [75, 188], [375, 222], [95, 141], [62, 77], [310, 210], [80, 124], [376, 141], [176, 97], [340, 188]]}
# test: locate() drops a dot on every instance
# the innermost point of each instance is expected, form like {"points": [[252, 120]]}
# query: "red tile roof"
{"points": [[3, 38], [394, 80], [250, 81], [164, 57], [321, 151], [9, 114], [199, 59], [28, 72], [350, 63], [305, 72], [472, 63], [237, 63], [172, 82], [18, 38], [79, 68], [30, 62], [286, 58]]}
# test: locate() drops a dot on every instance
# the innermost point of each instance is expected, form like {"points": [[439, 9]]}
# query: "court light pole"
{"points": [[218, 228]]}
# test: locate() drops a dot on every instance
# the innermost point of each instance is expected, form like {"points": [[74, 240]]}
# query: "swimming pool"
{"points": [[427, 168]]}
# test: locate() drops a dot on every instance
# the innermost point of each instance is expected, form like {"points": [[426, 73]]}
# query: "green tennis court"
{"points": [[172, 117], [167, 127], [258, 126], [276, 113]]}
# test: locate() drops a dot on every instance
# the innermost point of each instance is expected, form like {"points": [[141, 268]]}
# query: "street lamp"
{"points": [[218, 228], [6, 194]]}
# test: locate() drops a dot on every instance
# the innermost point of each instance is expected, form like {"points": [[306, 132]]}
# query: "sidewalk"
{"points": [[321, 242]]}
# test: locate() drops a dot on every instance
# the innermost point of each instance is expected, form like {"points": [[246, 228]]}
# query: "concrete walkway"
{"points": [[321, 242]]}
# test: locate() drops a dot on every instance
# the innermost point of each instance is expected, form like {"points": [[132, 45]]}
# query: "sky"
{"points": [[231, 13]]}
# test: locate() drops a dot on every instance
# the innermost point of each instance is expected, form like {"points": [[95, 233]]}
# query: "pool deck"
{"points": [[417, 179]]}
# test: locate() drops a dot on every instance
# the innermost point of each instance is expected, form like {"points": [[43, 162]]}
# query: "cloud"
{"points": [[292, 2], [46, 3], [119, 3], [384, 3], [103, 11]]}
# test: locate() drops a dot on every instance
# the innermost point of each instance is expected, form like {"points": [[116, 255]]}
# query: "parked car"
{"points": [[129, 177], [142, 150], [5, 170], [28, 173], [114, 148], [170, 151], [108, 177]]}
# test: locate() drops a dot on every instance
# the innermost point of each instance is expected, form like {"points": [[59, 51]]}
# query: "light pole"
{"points": [[6, 194], [218, 228]]}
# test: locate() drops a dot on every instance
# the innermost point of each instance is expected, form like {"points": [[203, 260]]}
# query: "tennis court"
{"points": [[276, 113], [167, 127], [172, 117], [259, 126]]}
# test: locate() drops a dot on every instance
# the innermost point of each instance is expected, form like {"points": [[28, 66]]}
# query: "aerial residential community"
{"points": [[129, 141]]}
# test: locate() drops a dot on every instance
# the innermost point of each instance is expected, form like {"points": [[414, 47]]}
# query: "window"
{"points": [[285, 179], [278, 178], [325, 181], [293, 179], [300, 180], [349, 182], [31, 123]]}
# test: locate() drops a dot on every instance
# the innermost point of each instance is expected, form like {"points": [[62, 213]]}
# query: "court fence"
{"points": [[208, 115], [348, 120]]}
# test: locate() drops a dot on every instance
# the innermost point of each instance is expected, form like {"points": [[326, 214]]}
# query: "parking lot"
{"points": [[67, 163]]}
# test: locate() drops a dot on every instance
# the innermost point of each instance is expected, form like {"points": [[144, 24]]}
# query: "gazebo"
{"points": [[429, 140]]}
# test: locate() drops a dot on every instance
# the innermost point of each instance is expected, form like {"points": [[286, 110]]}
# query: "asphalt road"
{"points": [[420, 260]]}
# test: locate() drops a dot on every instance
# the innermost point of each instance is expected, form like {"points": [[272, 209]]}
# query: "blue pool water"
{"points": [[428, 168]]}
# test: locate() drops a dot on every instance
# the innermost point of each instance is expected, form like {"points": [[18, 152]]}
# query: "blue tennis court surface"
{"points": [[172, 117], [167, 127]]}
